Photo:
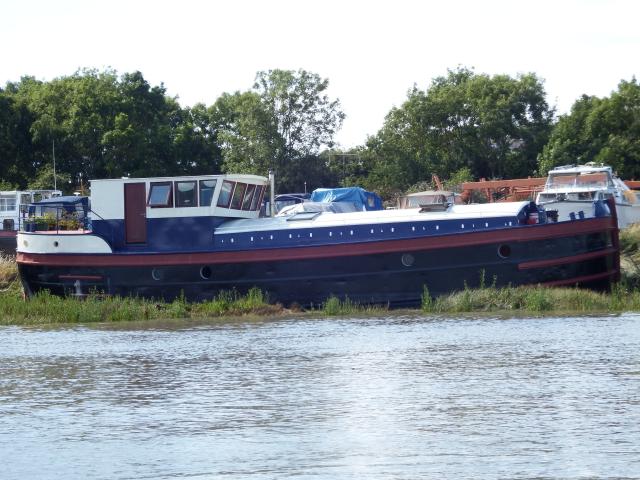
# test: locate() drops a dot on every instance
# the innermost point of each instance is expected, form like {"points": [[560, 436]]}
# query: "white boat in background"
{"points": [[572, 189], [12, 205]]}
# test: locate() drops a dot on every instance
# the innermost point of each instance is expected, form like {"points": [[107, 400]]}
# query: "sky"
{"points": [[372, 52]]}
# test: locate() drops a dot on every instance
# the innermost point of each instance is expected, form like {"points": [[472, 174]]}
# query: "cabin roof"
{"points": [[233, 176]]}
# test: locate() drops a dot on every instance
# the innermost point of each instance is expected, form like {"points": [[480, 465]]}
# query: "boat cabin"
{"points": [[585, 183], [163, 211]]}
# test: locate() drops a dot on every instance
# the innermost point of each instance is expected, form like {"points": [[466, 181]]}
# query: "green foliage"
{"points": [[601, 130], [248, 136], [46, 180], [492, 126], [457, 178], [305, 117], [532, 299], [279, 126], [537, 300], [464, 126], [334, 306], [427, 302], [46, 308], [103, 126]]}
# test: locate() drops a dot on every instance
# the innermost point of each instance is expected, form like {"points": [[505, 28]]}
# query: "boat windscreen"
{"points": [[578, 180]]}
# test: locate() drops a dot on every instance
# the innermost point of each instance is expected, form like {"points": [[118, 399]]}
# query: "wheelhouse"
{"points": [[234, 196]]}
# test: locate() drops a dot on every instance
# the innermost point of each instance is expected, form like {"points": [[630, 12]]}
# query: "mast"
{"points": [[53, 148]]}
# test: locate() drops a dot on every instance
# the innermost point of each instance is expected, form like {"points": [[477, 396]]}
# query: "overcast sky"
{"points": [[372, 51]]}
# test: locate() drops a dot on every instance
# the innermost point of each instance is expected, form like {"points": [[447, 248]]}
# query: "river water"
{"points": [[397, 397]]}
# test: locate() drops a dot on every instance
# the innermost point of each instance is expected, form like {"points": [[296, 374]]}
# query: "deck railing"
{"points": [[55, 219]]}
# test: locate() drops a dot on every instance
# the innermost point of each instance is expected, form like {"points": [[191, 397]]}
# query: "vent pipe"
{"points": [[272, 194]]}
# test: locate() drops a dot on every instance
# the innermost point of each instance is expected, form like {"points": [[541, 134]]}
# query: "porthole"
{"points": [[56, 244], [504, 251], [205, 272], [156, 274], [407, 259]]}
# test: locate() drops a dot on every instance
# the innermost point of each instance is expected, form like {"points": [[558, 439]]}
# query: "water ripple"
{"points": [[390, 397]]}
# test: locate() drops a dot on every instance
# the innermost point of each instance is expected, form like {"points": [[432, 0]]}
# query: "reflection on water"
{"points": [[388, 398]]}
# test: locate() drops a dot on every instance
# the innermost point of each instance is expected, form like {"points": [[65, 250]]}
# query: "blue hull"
{"points": [[395, 273]]}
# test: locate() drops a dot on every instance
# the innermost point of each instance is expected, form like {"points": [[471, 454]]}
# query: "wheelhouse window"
{"points": [[257, 198], [225, 193], [8, 203], [207, 187], [160, 195], [238, 195], [248, 196], [186, 194]]}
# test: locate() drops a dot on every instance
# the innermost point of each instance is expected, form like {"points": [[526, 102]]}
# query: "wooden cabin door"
{"points": [[135, 213]]}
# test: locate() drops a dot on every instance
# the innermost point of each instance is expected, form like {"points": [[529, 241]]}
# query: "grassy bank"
{"points": [[535, 300], [46, 309], [49, 309]]}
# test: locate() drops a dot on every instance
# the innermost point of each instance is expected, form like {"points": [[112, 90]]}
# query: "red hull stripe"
{"points": [[80, 277], [583, 279], [521, 234], [564, 260]]}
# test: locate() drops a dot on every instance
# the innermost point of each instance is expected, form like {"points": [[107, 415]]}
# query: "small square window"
{"points": [[160, 195], [186, 194]]}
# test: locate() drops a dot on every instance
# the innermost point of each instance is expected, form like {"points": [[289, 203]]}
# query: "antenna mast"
{"points": [[53, 148]]}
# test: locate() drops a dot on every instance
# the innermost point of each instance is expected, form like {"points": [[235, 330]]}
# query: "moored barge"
{"points": [[196, 236]]}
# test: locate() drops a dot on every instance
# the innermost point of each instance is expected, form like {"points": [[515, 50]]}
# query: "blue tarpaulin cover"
{"points": [[360, 197]]}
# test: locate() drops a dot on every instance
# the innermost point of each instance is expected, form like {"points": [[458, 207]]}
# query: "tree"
{"points": [[247, 133], [140, 142], [601, 130], [305, 118], [195, 142], [15, 142], [280, 125], [494, 126]]}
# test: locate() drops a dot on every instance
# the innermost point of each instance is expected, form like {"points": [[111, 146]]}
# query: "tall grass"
{"points": [[535, 299], [334, 306], [45, 308], [8, 271]]}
